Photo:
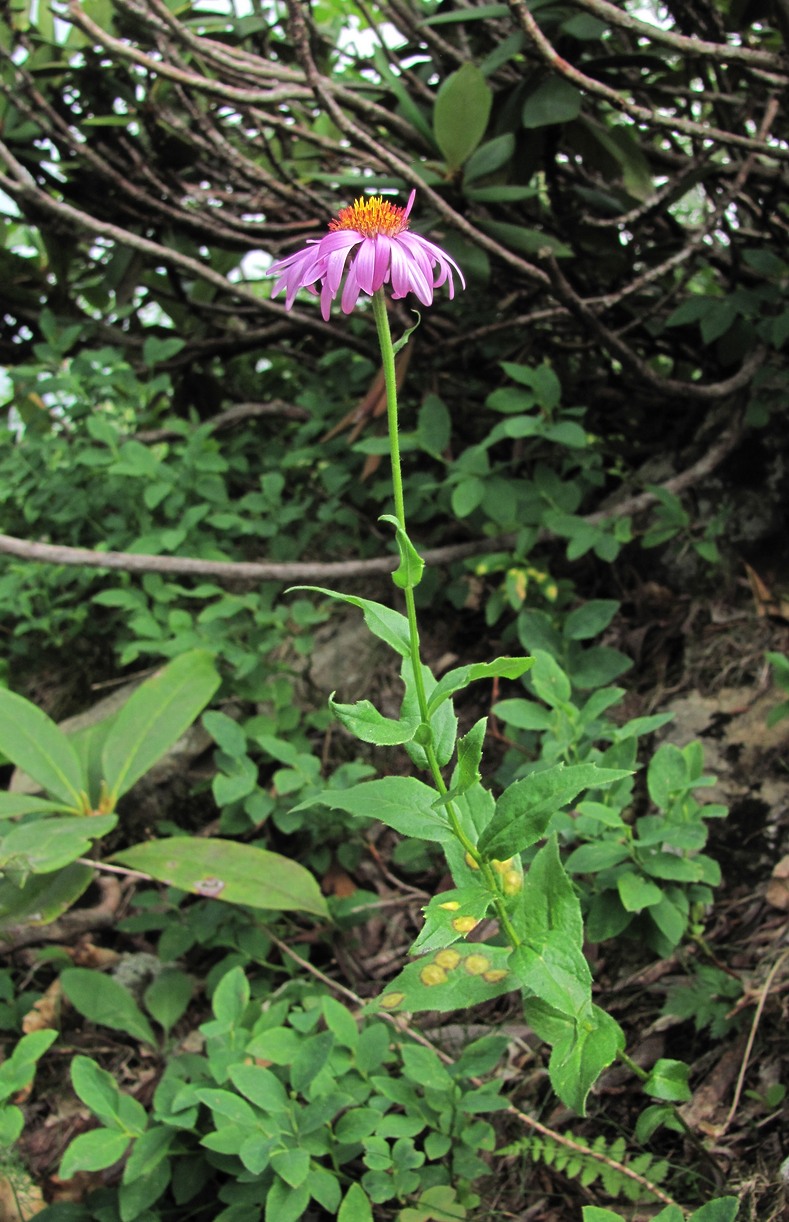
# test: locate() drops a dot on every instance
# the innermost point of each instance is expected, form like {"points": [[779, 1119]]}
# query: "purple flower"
{"points": [[369, 243]]}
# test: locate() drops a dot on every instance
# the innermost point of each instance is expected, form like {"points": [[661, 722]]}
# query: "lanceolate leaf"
{"points": [[226, 870], [155, 717], [103, 1000], [44, 897], [13, 804], [401, 802], [383, 622], [454, 680], [366, 723], [33, 742], [524, 810], [51, 844]]}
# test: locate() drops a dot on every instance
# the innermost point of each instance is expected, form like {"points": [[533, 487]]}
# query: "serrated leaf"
{"points": [[388, 625], [33, 742], [451, 915], [450, 979], [154, 718], [459, 678], [580, 1051], [524, 809], [460, 114], [364, 721], [403, 803], [228, 871]]}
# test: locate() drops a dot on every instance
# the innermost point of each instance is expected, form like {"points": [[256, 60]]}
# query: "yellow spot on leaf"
{"points": [[447, 958], [433, 973], [476, 965], [501, 867], [391, 1000], [450, 905], [471, 863], [465, 924], [512, 882], [495, 975]]}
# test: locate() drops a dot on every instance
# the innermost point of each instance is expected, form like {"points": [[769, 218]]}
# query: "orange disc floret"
{"points": [[371, 215]]}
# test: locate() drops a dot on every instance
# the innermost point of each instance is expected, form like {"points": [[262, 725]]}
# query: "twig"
{"points": [[306, 570], [749, 1045]]}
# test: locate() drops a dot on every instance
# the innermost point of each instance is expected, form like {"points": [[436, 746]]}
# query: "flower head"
{"points": [[370, 244]]}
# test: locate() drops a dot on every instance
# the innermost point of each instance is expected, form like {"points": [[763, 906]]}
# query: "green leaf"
{"points": [[489, 158], [388, 625], [355, 1206], [19, 1069], [580, 1051], [525, 240], [469, 758], [668, 1080], [13, 804], [725, 1209], [460, 114], [590, 619], [292, 1165], [44, 897], [231, 997], [225, 870], [455, 680], [404, 803], [636, 892], [553, 101], [103, 1000], [168, 996], [550, 682], [367, 724], [33, 742], [452, 915], [450, 979], [149, 1150], [441, 731], [99, 1091], [524, 810], [93, 1151], [260, 1086], [51, 844], [408, 573], [155, 717]]}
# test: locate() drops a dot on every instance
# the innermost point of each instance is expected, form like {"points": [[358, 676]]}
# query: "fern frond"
{"points": [[636, 1179]]}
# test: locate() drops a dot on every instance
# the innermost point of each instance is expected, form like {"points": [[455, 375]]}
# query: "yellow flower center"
{"points": [[371, 215]]}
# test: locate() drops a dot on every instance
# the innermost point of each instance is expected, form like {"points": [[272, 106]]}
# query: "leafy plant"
{"points": [[294, 1100], [599, 1160], [43, 852]]}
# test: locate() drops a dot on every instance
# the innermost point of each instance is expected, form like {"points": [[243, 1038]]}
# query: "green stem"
{"points": [[390, 382]]}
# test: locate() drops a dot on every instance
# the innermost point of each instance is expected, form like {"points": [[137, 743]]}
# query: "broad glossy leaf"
{"points": [[401, 802], [33, 742], [155, 717], [524, 809], [229, 871], [93, 1151], [450, 979], [13, 804], [460, 114]]}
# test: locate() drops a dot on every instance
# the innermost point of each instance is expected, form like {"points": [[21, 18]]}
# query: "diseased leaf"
{"points": [[454, 978], [228, 871]]}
